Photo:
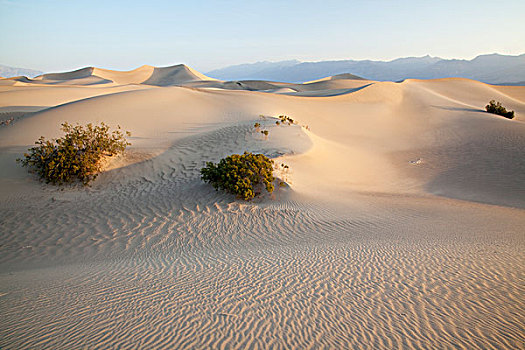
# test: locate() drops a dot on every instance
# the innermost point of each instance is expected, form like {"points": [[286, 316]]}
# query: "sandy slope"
{"points": [[401, 224], [148, 75]]}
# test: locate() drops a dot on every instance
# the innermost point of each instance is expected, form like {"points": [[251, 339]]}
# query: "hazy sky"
{"points": [[57, 35]]}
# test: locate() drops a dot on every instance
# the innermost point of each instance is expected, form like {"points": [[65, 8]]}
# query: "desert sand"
{"points": [[401, 225]]}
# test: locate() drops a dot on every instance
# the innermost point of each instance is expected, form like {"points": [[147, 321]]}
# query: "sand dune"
{"points": [[149, 75], [76, 74], [345, 76], [401, 224]]}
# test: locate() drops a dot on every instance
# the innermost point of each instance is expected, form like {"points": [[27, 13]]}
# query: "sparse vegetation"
{"points": [[6, 122], [264, 132], [286, 120], [242, 175], [76, 156], [256, 125], [496, 108]]}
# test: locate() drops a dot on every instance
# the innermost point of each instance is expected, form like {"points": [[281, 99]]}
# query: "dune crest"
{"points": [[346, 76], [149, 75]]}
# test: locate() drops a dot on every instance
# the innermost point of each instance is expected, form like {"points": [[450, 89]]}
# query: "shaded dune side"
{"points": [[158, 76], [312, 89], [345, 76], [473, 155], [33, 98], [135, 76], [474, 95], [487, 168], [82, 77], [76, 74], [173, 75], [13, 80]]}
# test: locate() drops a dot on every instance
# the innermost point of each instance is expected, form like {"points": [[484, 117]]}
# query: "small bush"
{"points": [[285, 119], [256, 125], [496, 108], [242, 175], [264, 132], [75, 156]]}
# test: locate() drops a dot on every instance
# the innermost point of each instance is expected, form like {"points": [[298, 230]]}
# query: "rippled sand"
{"points": [[401, 225]]}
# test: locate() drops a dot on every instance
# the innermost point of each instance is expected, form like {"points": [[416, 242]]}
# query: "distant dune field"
{"points": [[401, 224]]}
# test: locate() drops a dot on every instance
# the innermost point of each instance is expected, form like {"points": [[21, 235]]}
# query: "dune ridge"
{"points": [[148, 75]]}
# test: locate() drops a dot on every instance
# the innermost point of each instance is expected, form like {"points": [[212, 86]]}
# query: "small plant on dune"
{"points": [[283, 171], [76, 156], [256, 125], [278, 123], [286, 120], [264, 132], [496, 108], [242, 175]]}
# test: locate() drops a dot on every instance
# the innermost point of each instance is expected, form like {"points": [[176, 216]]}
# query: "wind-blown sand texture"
{"points": [[401, 224]]}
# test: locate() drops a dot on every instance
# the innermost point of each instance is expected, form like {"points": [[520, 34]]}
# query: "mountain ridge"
{"points": [[8, 71], [488, 68]]}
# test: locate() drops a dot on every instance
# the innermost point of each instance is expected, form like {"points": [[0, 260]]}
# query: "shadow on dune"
{"points": [[488, 171], [459, 109], [172, 75], [23, 109], [327, 93], [76, 74], [13, 114]]}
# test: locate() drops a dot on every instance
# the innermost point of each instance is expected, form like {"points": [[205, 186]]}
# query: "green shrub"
{"points": [[242, 175], [76, 156], [496, 108]]}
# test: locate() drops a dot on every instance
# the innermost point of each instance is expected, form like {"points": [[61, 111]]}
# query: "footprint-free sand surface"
{"points": [[401, 224]]}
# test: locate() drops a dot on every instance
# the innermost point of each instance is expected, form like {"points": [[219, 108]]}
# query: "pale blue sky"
{"points": [[57, 35]]}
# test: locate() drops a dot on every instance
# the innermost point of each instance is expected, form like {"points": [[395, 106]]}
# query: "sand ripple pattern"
{"points": [[174, 264]]}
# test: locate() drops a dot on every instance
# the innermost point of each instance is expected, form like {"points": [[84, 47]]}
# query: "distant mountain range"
{"points": [[7, 72], [492, 69]]}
